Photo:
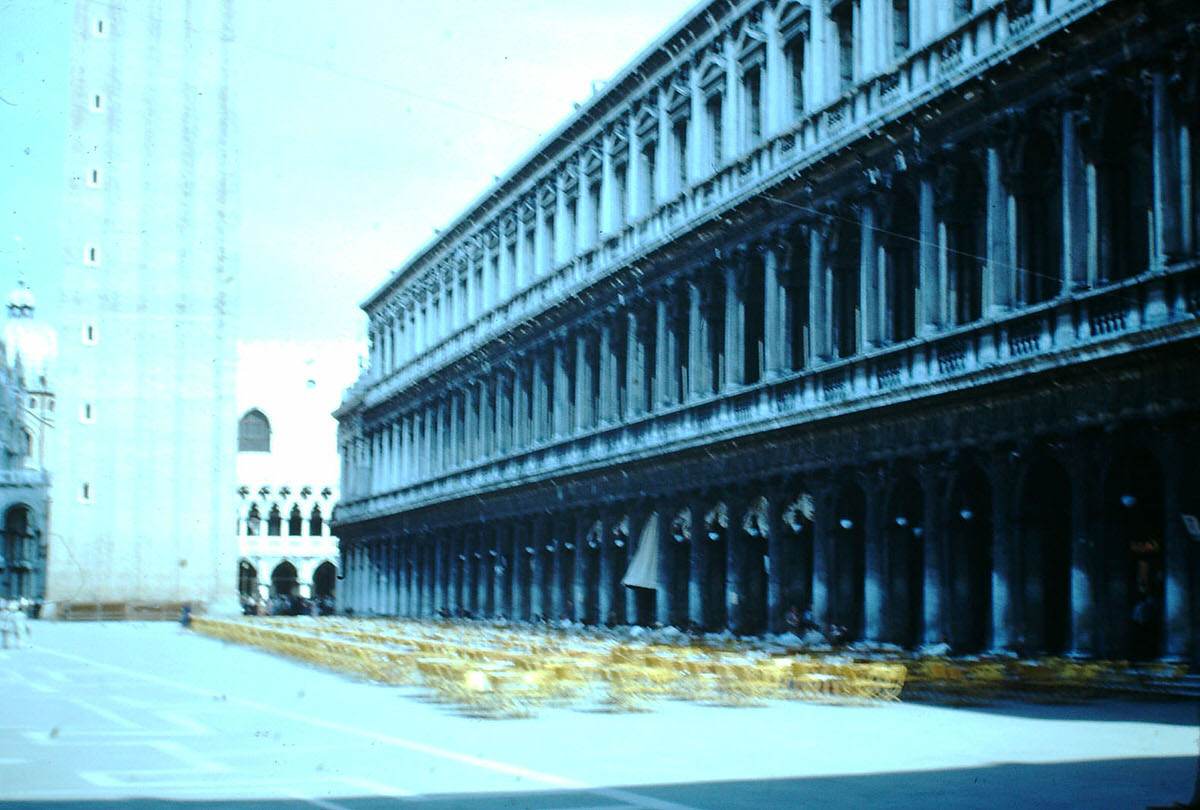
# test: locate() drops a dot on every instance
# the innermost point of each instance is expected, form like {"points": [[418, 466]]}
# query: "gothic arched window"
{"points": [[295, 522], [254, 432]]}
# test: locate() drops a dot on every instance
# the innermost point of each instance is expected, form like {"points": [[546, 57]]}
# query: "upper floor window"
{"points": [[842, 17], [752, 94], [100, 29], [679, 134], [713, 111], [901, 39], [295, 522], [97, 102], [254, 433]]}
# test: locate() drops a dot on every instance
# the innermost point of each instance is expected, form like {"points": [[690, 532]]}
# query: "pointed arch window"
{"points": [[253, 521], [274, 522], [315, 523], [254, 432], [295, 522]]}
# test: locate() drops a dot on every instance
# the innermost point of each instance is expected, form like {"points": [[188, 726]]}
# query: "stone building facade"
{"points": [[883, 309]]}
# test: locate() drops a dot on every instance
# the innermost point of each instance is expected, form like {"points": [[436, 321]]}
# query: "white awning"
{"points": [[643, 568]]}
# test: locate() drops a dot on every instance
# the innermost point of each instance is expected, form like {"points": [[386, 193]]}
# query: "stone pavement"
{"points": [[145, 714]]}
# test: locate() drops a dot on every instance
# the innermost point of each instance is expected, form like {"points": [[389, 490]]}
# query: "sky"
{"points": [[362, 126]]}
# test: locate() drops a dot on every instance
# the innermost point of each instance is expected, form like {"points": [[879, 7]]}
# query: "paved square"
{"points": [[98, 713]]}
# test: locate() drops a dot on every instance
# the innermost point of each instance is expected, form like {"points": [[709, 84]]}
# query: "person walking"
{"points": [[20, 622]]}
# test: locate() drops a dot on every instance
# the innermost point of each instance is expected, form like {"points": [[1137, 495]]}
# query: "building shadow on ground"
{"points": [[1118, 784]]}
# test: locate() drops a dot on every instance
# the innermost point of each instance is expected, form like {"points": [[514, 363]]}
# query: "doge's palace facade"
{"points": [[883, 309]]}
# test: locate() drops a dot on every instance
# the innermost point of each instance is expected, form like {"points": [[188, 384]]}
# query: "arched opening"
{"points": [[753, 539], [904, 536], [1044, 527], [716, 528], [966, 223], [295, 522], [796, 566], [1039, 219], [969, 540], [274, 521], [247, 580], [19, 554], [900, 244], [1134, 517], [316, 524], [283, 579], [324, 582], [1125, 176], [254, 432], [618, 549], [848, 563]]}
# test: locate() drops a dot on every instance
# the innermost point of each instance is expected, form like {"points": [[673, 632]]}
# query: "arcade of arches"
{"points": [[1039, 529]]}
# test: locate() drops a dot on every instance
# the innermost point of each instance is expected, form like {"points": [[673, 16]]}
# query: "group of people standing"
{"points": [[14, 623]]}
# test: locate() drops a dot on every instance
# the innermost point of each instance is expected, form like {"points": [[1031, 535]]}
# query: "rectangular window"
{"points": [[679, 132], [712, 113], [99, 29], [548, 260], [843, 21], [91, 254], [95, 178], [85, 492], [646, 177], [752, 84], [620, 205], [794, 52], [97, 102], [89, 334], [527, 270], [86, 414], [510, 271], [568, 241], [593, 223], [900, 28]]}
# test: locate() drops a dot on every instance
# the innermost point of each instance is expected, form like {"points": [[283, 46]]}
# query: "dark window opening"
{"points": [[254, 433]]}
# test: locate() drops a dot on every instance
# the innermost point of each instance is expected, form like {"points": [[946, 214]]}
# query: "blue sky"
{"points": [[362, 126]]}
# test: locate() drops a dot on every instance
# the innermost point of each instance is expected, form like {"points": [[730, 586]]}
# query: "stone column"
{"points": [[775, 307], [634, 368], [1177, 594], [696, 563], [819, 313], [662, 363], [735, 557], [698, 352], [539, 393], [578, 582], [1074, 208], [735, 323], [1005, 552], [823, 532], [870, 325], [607, 404], [605, 587], [932, 289], [583, 382], [936, 592], [557, 545], [562, 408], [998, 276], [776, 587], [875, 583]]}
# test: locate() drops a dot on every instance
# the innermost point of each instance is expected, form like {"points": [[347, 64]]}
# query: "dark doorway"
{"points": [[1044, 526]]}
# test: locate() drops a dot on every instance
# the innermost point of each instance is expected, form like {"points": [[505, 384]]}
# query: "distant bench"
{"points": [[119, 611]]}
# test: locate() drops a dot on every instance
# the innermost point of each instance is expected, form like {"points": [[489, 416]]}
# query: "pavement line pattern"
{"points": [[313, 800], [377, 787], [185, 722], [187, 756], [399, 742], [111, 717], [32, 684]]}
